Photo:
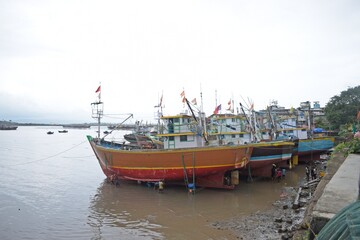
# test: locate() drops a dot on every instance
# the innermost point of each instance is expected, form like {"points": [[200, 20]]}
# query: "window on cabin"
{"points": [[176, 120], [170, 126], [185, 120], [290, 131], [233, 136], [183, 138], [171, 138], [221, 136], [241, 135]]}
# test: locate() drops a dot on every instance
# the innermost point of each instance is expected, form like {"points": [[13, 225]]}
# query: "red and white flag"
{"points": [[217, 109], [182, 94], [229, 104]]}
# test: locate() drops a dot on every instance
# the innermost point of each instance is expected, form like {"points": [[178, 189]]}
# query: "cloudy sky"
{"points": [[54, 54]]}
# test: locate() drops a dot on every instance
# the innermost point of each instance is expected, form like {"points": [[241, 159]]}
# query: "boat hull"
{"points": [[311, 149], [267, 154], [207, 165]]}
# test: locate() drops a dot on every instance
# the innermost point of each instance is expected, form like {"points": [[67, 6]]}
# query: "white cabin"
{"points": [[182, 131], [226, 129]]}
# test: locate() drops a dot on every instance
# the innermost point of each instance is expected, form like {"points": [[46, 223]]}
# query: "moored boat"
{"points": [[295, 125], [231, 129], [206, 166], [265, 154], [185, 158]]}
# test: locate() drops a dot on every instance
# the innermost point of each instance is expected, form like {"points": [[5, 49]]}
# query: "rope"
{"points": [[43, 159]]}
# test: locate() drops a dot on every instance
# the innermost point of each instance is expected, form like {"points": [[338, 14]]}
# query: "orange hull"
{"points": [[208, 165]]}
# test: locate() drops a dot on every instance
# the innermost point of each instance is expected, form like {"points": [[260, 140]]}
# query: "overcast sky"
{"points": [[54, 54]]}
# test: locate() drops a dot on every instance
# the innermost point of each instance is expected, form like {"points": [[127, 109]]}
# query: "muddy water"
{"points": [[51, 187]]}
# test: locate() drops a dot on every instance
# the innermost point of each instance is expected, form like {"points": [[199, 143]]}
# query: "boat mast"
{"points": [[202, 115], [98, 110]]}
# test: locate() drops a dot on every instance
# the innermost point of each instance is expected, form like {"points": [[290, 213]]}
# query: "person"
{"points": [[161, 186], [273, 172], [283, 173], [307, 171], [278, 174], [314, 173]]}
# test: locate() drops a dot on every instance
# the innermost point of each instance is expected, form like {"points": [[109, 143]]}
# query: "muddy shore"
{"points": [[290, 216]]}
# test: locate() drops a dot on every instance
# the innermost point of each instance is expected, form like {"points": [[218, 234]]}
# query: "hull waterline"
{"points": [[206, 166]]}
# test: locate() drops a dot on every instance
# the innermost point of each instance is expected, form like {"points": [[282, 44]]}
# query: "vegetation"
{"points": [[352, 146], [342, 109]]}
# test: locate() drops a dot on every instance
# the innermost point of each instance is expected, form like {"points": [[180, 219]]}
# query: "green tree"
{"points": [[343, 108]]}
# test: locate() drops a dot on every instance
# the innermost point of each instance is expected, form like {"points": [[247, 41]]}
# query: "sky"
{"points": [[55, 54]]}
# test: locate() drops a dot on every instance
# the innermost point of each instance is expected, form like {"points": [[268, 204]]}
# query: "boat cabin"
{"points": [[182, 131], [228, 129]]}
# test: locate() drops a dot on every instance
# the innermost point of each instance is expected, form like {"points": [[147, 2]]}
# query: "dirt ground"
{"points": [[288, 218]]}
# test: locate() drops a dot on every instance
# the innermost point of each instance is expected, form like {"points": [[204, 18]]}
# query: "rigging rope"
{"points": [[42, 159]]}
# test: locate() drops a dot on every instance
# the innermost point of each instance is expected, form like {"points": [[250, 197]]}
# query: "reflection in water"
{"points": [[134, 210], [109, 216]]}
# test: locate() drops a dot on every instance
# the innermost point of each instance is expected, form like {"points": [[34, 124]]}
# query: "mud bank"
{"points": [[290, 216], [279, 222]]}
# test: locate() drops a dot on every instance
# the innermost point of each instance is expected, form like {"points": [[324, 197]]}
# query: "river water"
{"points": [[52, 187]]}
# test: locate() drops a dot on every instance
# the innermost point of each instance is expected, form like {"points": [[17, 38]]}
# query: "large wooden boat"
{"points": [[266, 154], [230, 129], [215, 167], [185, 158], [295, 125]]}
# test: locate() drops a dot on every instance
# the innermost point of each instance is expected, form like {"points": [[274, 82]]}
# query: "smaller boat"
{"points": [[50, 132], [106, 132], [63, 131]]}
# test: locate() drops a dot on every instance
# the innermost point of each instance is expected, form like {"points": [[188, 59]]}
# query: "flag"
{"points": [[217, 109], [98, 89], [358, 116], [194, 101], [229, 104], [251, 107], [182, 94]]}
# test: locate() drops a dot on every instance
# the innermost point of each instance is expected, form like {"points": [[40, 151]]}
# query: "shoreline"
{"points": [[284, 220]]}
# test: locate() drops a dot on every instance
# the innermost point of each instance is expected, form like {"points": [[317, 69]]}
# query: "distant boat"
{"points": [[7, 125], [4, 127], [50, 132], [63, 131]]}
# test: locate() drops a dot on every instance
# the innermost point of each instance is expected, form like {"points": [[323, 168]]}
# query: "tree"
{"points": [[342, 109]]}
